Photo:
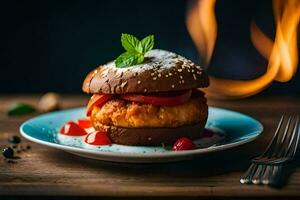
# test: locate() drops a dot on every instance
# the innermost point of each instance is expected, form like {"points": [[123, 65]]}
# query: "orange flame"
{"points": [[282, 54]]}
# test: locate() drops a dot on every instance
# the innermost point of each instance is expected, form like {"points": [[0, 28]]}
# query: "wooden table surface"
{"points": [[46, 171]]}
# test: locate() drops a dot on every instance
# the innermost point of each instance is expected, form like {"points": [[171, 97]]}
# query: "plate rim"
{"points": [[168, 154]]}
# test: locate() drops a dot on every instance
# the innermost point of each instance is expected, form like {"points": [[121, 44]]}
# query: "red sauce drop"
{"points": [[183, 144], [72, 129], [97, 138]]}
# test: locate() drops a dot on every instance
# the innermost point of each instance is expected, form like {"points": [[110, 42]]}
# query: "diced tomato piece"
{"points": [[72, 129], [183, 144], [161, 99], [97, 138], [97, 100], [84, 123]]}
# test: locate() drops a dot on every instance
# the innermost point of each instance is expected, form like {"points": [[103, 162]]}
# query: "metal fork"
{"points": [[268, 168]]}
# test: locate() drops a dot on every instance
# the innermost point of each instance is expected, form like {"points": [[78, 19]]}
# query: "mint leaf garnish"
{"points": [[147, 43], [135, 50], [127, 59], [131, 43]]}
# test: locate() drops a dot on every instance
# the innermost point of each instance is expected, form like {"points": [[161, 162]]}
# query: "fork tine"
{"points": [[257, 177], [247, 178], [251, 174], [279, 146], [256, 172], [291, 150], [284, 142], [267, 174]]}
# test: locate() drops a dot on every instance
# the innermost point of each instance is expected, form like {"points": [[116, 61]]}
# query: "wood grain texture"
{"points": [[46, 171]]}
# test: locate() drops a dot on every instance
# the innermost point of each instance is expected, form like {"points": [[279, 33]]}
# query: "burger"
{"points": [[150, 103]]}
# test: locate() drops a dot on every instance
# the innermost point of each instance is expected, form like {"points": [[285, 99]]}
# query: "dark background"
{"points": [[51, 45]]}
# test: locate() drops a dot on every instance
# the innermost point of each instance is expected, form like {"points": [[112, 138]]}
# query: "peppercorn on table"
{"points": [[43, 171]]}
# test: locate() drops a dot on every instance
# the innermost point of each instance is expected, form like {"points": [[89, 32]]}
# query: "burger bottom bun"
{"points": [[152, 136]]}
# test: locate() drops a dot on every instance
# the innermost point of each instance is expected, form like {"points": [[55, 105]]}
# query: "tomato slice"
{"points": [[161, 99], [97, 138], [72, 129], [84, 123], [97, 100]]}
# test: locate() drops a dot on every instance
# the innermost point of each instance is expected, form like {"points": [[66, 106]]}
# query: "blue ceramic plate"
{"points": [[238, 129]]}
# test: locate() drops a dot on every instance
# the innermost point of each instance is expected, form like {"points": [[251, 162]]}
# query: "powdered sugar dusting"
{"points": [[157, 60]]}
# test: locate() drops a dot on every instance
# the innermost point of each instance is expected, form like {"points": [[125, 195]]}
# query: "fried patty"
{"points": [[121, 113]]}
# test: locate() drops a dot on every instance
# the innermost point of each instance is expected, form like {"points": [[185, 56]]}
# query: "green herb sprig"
{"points": [[135, 50]]}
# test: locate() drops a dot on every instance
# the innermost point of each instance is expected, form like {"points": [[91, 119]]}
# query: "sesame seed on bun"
{"points": [[162, 71]]}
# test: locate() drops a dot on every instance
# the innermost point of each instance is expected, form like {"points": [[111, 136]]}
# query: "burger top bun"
{"points": [[161, 71]]}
